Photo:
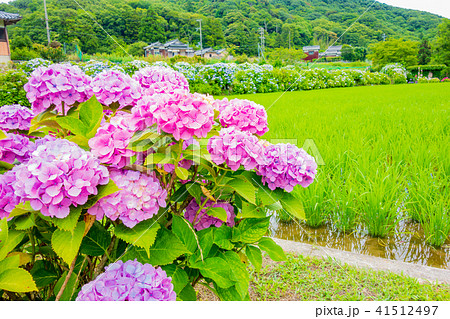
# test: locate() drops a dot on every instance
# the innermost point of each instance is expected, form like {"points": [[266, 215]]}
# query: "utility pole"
{"points": [[46, 22], [201, 39], [263, 42], [384, 36]]}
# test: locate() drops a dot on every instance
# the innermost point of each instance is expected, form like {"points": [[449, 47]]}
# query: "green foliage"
{"points": [[424, 54], [394, 51], [11, 88], [442, 44], [137, 49]]}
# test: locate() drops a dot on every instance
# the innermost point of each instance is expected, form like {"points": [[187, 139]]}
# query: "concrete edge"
{"points": [[424, 274]]}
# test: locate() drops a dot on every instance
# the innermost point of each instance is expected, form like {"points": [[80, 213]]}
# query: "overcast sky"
{"points": [[441, 7]]}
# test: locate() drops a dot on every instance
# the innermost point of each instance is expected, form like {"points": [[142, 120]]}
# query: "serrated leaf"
{"points": [[216, 269], [185, 232], [13, 239], [206, 239], [195, 190], [293, 206], [275, 252], [250, 230], [68, 223], [91, 114], [12, 261], [23, 257], [255, 256], [17, 280], [167, 247], [25, 222], [142, 235], [222, 236], [3, 232], [187, 294], [251, 211], [179, 277], [21, 209], [66, 244], [217, 212], [182, 173], [228, 294], [43, 277], [6, 165], [244, 188], [96, 241], [72, 124]]}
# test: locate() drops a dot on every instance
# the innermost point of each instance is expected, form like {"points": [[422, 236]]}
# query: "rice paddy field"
{"points": [[383, 178]]}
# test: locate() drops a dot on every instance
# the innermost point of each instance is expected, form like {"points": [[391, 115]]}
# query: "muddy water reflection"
{"points": [[406, 244]]}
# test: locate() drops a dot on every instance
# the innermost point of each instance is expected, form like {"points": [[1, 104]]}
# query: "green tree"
{"points": [[443, 43], [394, 51], [424, 55], [152, 27], [348, 53], [137, 48]]}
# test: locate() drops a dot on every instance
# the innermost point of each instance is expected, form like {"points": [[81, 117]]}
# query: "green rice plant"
{"points": [[435, 216], [342, 202], [382, 201]]}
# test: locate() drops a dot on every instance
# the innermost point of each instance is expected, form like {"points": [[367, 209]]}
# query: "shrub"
{"points": [[11, 88]]}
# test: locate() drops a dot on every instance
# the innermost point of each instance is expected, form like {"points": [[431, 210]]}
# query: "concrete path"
{"points": [[422, 273]]}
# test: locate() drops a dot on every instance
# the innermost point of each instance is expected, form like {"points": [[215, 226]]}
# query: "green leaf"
{"points": [[182, 173], [293, 206], [10, 262], [17, 280], [250, 230], [68, 293], [251, 211], [6, 165], [239, 272], [67, 223], [25, 222], [206, 240], [195, 190], [179, 277], [229, 294], [142, 235], [3, 232], [255, 256], [244, 188], [91, 114], [66, 244], [96, 241], [21, 209], [268, 197], [44, 277], [216, 269], [167, 247], [184, 231], [102, 191], [187, 294], [134, 252], [222, 236], [72, 124], [2, 135], [275, 252], [218, 212], [158, 158], [13, 239]]}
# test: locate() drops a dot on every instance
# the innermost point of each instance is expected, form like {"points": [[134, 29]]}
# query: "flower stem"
{"points": [[72, 267]]}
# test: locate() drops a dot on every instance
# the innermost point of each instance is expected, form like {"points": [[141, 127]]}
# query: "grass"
{"points": [[303, 278], [385, 154]]}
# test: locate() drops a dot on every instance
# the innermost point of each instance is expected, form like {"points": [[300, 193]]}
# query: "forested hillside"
{"points": [[226, 23]]}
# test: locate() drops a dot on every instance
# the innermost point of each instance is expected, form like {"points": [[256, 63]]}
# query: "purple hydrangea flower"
{"points": [[129, 281], [15, 147], [286, 166], [111, 86], [8, 200], [57, 84], [111, 141], [59, 174], [245, 115], [155, 79], [236, 148], [139, 198], [184, 115], [15, 117], [203, 220]]}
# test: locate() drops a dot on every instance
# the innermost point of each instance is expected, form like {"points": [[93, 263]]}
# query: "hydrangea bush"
{"points": [[142, 203]]}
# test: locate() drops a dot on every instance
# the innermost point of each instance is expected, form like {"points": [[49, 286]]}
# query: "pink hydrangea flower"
{"points": [[111, 141], [139, 198], [129, 281], [112, 86], [157, 80], [8, 200], [15, 147], [184, 115], [236, 148], [245, 115], [59, 174], [15, 117], [286, 166], [57, 84], [220, 105], [142, 115], [203, 220]]}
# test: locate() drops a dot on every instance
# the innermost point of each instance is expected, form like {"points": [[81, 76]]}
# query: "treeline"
{"points": [[225, 23]]}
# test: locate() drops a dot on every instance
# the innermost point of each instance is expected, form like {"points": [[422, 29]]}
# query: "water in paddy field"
{"points": [[406, 244]]}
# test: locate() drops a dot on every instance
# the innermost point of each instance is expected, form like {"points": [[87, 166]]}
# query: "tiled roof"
{"points": [[9, 18]]}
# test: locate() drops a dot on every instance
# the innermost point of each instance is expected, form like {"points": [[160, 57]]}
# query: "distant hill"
{"points": [[225, 23]]}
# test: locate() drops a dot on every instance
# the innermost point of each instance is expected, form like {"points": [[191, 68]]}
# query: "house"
{"points": [[210, 53], [332, 52], [6, 19], [312, 51], [168, 49]]}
